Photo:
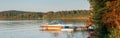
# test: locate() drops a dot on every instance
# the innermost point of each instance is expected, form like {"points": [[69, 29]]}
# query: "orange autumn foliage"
{"points": [[112, 16]]}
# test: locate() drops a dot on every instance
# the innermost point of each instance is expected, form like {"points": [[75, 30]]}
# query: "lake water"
{"points": [[30, 29]]}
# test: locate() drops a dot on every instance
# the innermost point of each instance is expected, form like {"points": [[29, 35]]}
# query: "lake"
{"points": [[30, 29]]}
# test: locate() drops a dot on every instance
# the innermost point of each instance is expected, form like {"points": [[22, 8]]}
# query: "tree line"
{"points": [[71, 15], [51, 15], [20, 15]]}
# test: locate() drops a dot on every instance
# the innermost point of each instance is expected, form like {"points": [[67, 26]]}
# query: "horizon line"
{"points": [[43, 11]]}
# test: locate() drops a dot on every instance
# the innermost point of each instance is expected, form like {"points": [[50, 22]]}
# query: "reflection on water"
{"points": [[29, 29]]}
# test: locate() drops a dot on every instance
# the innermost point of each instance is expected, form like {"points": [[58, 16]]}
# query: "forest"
{"points": [[20, 15], [73, 15], [62, 15], [106, 15]]}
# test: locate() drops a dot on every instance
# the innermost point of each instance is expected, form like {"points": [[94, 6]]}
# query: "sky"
{"points": [[44, 5]]}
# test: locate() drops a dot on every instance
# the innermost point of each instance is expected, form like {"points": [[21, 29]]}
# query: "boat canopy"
{"points": [[57, 22]]}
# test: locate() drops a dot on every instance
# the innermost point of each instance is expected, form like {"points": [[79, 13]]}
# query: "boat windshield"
{"points": [[52, 23], [56, 22]]}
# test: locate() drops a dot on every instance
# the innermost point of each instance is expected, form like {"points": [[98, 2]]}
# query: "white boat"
{"points": [[57, 27]]}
